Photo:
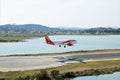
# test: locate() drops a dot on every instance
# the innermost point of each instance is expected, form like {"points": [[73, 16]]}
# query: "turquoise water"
{"points": [[114, 76], [38, 45]]}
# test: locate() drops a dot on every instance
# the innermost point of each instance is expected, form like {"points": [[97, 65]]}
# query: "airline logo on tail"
{"points": [[64, 43]]}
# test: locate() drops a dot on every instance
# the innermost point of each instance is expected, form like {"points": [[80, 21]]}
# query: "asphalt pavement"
{"points": [[15, 63]]}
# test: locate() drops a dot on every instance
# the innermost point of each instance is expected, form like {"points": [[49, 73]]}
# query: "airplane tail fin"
{"points": [[48, 41]]}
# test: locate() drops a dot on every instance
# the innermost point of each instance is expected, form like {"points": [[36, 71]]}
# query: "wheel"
{"points": [[65, 46]]}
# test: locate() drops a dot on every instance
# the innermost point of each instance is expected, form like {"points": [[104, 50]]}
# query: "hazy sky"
{"points": [[54, 13]]}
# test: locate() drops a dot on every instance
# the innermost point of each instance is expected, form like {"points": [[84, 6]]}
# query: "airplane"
{"points": [[64, 43]]}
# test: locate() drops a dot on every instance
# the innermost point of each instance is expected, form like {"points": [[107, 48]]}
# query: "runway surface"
{"points": [[14, 63], [89, 57]]}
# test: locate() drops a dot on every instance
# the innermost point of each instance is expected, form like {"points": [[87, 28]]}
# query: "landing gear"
{"points": [[59, 45], [64, 46]]}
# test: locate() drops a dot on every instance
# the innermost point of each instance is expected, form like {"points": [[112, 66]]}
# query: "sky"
{"points": [[56, 13]]}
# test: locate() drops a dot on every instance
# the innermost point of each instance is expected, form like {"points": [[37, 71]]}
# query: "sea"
{"points": [[114, 76], [39, 46]]}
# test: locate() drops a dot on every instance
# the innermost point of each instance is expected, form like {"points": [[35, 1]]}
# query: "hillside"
{"points": [[35, 28], [30, 28]]}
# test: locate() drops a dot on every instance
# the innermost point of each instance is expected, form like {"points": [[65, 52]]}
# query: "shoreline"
{"points": [[19, 38], [67, 53]]}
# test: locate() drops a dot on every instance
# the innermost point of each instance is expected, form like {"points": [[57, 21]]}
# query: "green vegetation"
{"points": [[16, 33], [55, 75], [66, 71], [13, 39], [17, 37], [37, 28]]}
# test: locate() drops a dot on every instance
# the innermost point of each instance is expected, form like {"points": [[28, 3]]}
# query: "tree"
{"points": [[44, 75], [55, 74]]}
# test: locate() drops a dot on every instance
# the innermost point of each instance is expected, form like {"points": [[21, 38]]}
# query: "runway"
{"points": [[15, 63], [90, 57]]}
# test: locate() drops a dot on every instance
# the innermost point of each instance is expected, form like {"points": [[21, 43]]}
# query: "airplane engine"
{"points": [[70, 44]]}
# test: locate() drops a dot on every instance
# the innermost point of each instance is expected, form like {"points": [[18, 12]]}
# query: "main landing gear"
{"points": [[64, 46], [59, 45]]}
